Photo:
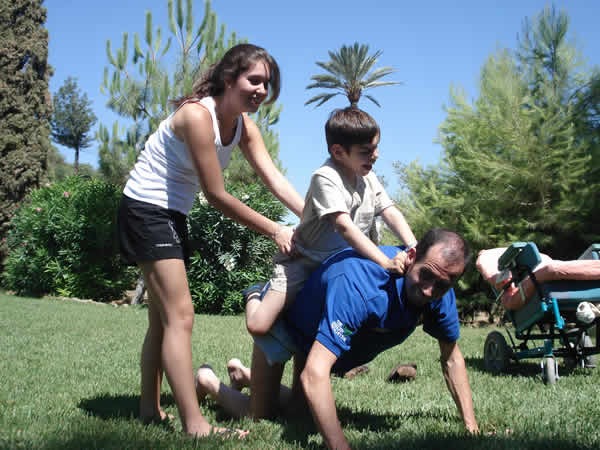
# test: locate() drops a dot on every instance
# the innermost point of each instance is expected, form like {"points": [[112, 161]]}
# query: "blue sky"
{"points": [[433, 45]]}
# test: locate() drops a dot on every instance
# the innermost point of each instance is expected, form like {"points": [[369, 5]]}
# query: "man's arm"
{"points": [[317, 388], [455, 374]]}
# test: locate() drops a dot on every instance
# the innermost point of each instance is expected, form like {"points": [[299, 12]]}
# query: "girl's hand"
{"points": [[283, 239]]}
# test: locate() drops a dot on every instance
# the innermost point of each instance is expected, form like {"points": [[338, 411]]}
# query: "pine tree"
{"points": [[25, 104], [144, 99], [72, 118], [517, 164]]}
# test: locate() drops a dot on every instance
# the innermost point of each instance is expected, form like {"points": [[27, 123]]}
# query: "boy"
{"points": [[339, 211]]}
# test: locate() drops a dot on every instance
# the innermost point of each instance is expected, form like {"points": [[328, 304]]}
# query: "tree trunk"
{"points": [[140, 290], [76, 165]]}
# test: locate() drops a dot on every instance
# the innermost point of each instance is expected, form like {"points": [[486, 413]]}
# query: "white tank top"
{"points": [[164, 173]]}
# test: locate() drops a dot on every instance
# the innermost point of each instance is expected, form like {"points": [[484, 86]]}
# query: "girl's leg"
{"points": [[151, 367], [168, 290]]}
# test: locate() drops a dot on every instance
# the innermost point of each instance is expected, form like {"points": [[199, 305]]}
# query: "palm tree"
{"points": [[349, 74]]}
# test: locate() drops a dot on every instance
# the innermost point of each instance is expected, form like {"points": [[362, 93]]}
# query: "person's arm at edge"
{"points": [[255, 152], [319, 395], [362, 244], [396, 222], [455, 374], [195, 128]]}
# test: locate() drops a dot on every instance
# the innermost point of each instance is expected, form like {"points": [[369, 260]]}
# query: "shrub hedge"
{"points": [[63, 242]]}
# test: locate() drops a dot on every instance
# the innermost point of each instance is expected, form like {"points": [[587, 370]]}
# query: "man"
{"points": [[348, 312]]}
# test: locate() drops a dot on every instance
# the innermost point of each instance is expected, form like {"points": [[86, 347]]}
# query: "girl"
{"points": [[189, 150]]}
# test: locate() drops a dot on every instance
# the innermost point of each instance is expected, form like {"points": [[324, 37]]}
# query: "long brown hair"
{"points": [[235, 61]]}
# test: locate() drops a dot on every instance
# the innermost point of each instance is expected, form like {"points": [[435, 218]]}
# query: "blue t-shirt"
{"points": [[355, 308]]}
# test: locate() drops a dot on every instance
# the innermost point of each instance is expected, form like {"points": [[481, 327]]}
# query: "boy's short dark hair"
{"points": [[350, 126]]}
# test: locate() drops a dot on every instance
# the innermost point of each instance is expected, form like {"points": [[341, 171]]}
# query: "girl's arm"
{"points": [[256, 154], [194, 125]]}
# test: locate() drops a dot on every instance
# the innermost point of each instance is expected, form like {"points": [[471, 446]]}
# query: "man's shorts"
{"points": [[148, 232], [278, 344]]}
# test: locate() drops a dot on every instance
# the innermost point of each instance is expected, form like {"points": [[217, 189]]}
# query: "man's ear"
{"points": [[411, 256]]}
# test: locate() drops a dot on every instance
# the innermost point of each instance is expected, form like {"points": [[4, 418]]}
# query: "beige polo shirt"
{"points": [[330, 192]]}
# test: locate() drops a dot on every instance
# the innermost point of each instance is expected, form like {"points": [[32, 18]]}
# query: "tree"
{"points": [[349, 75], [25, 104], [72, 118], [59, 169], [518, 164], [144, 100]]}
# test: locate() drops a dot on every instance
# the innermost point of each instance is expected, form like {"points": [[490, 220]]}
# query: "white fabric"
{"points": [[164, 173], [587, 312], [329, 192]]}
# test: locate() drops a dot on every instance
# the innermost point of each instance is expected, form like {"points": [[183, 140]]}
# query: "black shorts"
{"points": [[148, 232]]}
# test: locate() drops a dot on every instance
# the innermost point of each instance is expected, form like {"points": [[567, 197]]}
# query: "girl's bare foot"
{"points": [[159, 417], [205, 429], [239, 375]]}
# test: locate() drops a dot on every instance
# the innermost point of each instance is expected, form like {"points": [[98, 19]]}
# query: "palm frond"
{"points": [[380, 72], [372, 99], [381, 83], [349, 69], [329, 79], [322, 97]]}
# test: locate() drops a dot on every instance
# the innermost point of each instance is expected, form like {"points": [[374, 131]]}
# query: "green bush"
{"points": [[227, 256], [63, 242]]}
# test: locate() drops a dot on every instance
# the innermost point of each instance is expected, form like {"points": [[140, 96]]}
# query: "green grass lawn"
{"points": [[69, 375]]}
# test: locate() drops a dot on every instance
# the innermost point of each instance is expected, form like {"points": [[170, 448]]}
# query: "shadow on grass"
{"points": [[109, 439], [526, 368], [443, 441], [110, 406]]}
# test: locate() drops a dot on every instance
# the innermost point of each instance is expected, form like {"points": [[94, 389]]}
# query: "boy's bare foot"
{"points": [[206, 382], [239, 375]]}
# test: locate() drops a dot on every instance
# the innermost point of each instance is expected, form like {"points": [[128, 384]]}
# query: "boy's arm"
{"points": [[344, 225], [396, 222]]}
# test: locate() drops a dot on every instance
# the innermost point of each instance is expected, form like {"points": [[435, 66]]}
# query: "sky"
{"points": [[433, 45]]}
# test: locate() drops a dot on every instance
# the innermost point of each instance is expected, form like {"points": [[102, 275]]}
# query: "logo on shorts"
{"points": [[342, 331], [175, 235]]}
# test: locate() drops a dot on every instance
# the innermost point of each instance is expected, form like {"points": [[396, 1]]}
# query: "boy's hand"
{"points": [[397, 265]]}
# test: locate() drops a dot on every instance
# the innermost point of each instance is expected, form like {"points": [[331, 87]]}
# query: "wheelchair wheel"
{"points": [[496, 353], [549, 370], [589, 361]]}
